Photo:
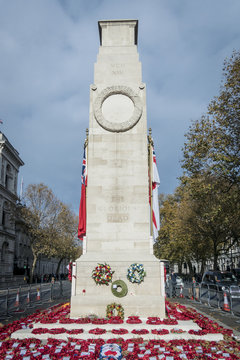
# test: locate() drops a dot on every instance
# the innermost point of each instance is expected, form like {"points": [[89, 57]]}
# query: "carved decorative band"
{"points": [[123, 126]]}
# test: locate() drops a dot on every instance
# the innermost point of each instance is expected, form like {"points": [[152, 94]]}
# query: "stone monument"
{"points": [[118, 215]]}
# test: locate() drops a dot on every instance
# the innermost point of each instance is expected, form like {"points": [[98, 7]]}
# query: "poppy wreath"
{"points": [[136, 273], [123, 288], [102, 274], [134, 320], [111, 308]]}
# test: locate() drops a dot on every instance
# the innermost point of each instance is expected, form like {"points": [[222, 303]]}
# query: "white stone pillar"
{"points": [[118, 220], [84, 250], [162, 282], [151, 245], [74, 272]]}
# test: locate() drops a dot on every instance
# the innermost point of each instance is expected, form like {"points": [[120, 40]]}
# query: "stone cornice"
{"points": [[10, 150], [10, 195]]}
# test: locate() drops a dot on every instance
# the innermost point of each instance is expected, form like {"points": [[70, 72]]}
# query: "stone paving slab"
{"points": [[184, 325], [26, 333]]}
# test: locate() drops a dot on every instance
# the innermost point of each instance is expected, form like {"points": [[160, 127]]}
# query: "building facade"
{"points": [[10, 163], [15, 247]]}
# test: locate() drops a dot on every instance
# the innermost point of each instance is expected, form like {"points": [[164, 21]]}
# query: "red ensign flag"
{"points": [[82, 207]]}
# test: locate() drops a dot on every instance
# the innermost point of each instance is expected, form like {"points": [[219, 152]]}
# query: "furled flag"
{"points": [[82, 207], [155, 204]]}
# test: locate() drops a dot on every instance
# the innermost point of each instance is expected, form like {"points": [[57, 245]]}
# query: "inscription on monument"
{"points": [[123, 208], [117, 218], [117, 198], [117, 68], [116, 208]]}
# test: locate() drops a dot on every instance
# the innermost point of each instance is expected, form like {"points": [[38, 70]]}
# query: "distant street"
{"points": [[209, 299], [31, 296]]}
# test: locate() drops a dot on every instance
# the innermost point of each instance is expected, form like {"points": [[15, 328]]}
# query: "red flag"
{"points": [[155, 205], [82, 207]]}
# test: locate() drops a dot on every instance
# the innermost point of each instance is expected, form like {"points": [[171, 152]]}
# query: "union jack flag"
{"points": [[84, 169]]}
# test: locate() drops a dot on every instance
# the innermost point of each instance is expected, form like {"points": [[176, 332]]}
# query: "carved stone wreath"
{"points": [[125, 125]]}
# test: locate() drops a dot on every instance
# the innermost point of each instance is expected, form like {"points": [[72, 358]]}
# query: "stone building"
{"points": [[15, 250], [10, 163]]}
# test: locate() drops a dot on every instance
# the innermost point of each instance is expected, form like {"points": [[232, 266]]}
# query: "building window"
{"points": [[3, 218], [5, 214], [4, 251], [8, 177]]}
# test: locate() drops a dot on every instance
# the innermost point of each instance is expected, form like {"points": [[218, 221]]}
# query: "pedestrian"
{"points": [[194, 287], [173, 283]]}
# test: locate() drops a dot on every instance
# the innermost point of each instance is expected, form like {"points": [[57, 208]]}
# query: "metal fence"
{"points": [[214, 296], [25, 297]]}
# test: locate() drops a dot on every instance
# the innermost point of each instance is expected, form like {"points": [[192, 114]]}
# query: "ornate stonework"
{"points": [[118, 126]]}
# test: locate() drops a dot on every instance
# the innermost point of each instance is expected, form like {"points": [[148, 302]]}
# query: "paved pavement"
{"points": [[224, 319]]}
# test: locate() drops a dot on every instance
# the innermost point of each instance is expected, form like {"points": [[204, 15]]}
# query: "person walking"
{"points": [[173, 283]]}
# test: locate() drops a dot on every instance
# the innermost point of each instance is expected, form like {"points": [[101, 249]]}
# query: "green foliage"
{"points": [[51, 225], [179, 240], [201, 220], [213, 142]]}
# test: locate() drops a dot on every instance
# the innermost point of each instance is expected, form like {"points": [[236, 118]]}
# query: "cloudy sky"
{"points": [[47, 53]]}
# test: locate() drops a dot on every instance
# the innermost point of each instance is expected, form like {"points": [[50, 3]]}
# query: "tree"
{"points": [[211, 165], [213, 215], [49, 223], [179, 242], [213, 144], [65, 243]]}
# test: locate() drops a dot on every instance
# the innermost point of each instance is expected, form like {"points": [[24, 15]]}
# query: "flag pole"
{"points": [[86, 150], [86, 157], [150, 145]]}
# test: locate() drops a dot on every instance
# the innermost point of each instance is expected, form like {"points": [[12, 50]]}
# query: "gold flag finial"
{"points": [[150, 140], [86, 140]]}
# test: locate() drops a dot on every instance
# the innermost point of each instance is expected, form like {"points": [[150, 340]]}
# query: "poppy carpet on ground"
{"points": [[50, 334]]}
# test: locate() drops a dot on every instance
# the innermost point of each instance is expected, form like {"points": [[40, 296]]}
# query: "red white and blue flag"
{"points": [[155, 203], [82, 208]]}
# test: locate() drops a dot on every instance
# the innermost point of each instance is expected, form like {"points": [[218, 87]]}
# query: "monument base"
{"points": [[144, 299]]}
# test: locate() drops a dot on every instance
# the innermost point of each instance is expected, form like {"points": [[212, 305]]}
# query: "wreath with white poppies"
{"points": [[136, 273], [111, 308], [102, 274]]}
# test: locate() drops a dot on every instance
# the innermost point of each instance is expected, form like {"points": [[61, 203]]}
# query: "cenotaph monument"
{"points": [[117, 200]]}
